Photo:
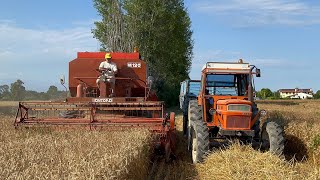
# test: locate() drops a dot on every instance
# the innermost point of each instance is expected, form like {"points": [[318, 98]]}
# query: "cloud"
{"points": [[89, 22], [18, 41], [202, 57], [5, 53], [41, 54], [262, 12], [270, 62]]}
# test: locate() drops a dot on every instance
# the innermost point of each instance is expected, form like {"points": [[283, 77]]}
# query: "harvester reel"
{"points": [[272, 137]]}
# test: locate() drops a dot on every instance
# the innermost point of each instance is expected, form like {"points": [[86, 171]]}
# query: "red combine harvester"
{"points": [[134, 105]]}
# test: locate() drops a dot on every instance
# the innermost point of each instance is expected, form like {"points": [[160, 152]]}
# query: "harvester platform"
{"points": [[101, 116]]}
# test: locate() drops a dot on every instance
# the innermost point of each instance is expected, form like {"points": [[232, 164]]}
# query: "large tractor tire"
{"points": [[272, 138], [199, 141], [194, 114], [198, 137]]}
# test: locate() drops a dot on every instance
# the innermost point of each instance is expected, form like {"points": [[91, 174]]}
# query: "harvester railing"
{"points": [[93, 114]]}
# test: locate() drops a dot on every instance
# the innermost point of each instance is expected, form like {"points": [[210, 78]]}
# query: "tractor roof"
{"points": [[226, 67]]}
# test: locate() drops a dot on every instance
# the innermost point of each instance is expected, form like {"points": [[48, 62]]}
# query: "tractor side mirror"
{"points": [[62, 79], [150, 80], [258, 73]]}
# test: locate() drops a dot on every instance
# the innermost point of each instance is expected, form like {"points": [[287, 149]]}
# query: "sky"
{"points": [[281, 37]]}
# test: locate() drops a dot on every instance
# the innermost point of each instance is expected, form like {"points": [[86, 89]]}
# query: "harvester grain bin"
{"points": [[225, 109], [135, 104]]}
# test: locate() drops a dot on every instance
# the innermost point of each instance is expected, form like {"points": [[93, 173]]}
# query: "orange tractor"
{"points": [[225, 109], [134, 105]]}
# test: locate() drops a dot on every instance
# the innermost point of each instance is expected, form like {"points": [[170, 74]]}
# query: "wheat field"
{"points": [[77, 154], [72, 154], [301, 121]]}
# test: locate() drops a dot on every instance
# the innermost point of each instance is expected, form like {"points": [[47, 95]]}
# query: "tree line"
{"points": [[17, 92], [266, 93]]}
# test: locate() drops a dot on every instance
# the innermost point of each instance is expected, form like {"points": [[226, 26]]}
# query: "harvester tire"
{"points": [[199, 141], [272, 138], [194, 114]]}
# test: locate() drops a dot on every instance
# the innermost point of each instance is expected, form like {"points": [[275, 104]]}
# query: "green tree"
{"points": [[264, 93], [276, 95], [111, 31], [161, 31], [5, 92], [52, 92], [32, 95], [317, 95], [18, 90]]}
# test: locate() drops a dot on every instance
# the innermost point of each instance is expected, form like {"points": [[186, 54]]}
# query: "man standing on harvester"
{"points": [[109, 70]]}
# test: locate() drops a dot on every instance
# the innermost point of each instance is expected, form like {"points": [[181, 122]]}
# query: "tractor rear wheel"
{"points": [[199, 141], [272, 137]]}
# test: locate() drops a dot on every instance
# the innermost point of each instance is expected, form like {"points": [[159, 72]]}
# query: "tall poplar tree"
{"points": [[161, 30]]}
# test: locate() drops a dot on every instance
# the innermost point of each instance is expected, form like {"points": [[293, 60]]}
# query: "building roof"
{"points": [[296, 90]]}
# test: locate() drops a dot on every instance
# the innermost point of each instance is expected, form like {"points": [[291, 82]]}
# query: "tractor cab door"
{"points": [[183, 92]]}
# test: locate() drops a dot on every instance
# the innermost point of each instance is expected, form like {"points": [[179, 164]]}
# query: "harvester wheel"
{"points": [[194, 114], [199, 141], [272, 137]]}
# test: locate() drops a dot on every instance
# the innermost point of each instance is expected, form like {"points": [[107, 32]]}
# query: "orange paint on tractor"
{"points": [[233, 120]]}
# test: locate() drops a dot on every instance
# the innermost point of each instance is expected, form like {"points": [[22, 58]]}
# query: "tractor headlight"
{"points": [[212, 111], [263, 113]]}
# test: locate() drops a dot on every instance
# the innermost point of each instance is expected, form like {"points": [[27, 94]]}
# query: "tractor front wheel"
{"points": [[199, 141], [194, 114], [272, 138]]}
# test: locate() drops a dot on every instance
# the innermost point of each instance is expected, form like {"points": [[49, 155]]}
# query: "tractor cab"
{"points": [[227, 95]]}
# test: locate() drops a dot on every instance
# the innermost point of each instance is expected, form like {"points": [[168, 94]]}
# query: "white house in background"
{"points": [[296, 93]]}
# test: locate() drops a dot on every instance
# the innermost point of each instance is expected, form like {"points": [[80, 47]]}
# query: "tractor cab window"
{"points": [[226, 84], [194, 88]]}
